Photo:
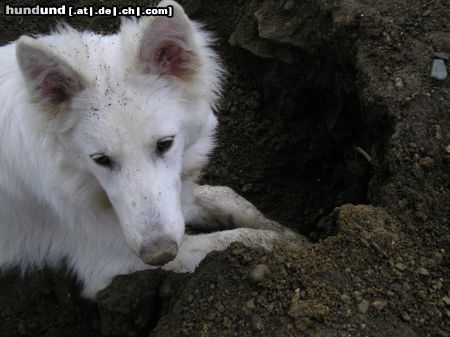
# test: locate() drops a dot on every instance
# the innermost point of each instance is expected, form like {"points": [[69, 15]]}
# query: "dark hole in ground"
{"points": [[289, 136]]}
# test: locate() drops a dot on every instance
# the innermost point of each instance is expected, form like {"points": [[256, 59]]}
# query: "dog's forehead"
{"points": [[129, 112]]}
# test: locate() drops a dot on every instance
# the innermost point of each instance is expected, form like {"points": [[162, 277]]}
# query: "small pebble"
{"points": [[446, 300], [220, 307], [363, 306], [387, 37], [258, 273], [438, 70], [447, 149], [345, 298], [250, 304], [426, 162], [227, 322], [437, 132], [422, 271], [400, 266], [379, 304], [406, 316], [398, 83]]}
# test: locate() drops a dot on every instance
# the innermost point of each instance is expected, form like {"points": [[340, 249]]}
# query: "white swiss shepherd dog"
{"points": [[102, 140]]}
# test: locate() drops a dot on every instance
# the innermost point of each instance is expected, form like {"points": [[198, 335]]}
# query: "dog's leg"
{"points": [[194, 248], [219, 207]]}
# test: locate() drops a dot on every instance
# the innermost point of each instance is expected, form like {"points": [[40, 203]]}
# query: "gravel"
{"points": [[438, 70], [363, 306]]}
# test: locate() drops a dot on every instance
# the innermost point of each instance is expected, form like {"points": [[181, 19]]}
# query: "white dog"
{"points": [[102, 139]]}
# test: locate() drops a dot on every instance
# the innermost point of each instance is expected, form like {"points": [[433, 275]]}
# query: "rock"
{"points": [[250, 304], [387, 37], [363, 306], [405, 316], [438, 70], [398, 83], [426, 162], [289, 5], [400, 266], [345, 298], [220, 307], [422, 271], [406, 286], [245, 36], [437, 132], [446, 300], [258, 273], [379, 304], [447, 149], [227, 322]]}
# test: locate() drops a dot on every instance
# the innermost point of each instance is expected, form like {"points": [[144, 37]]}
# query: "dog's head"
{"points": [[134, 113]]}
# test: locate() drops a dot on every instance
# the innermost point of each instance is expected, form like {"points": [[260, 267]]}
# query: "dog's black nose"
{"points": [[159, 251]]}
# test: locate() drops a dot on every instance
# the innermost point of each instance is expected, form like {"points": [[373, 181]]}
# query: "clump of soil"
{"points": [[314, 292], [327, 103]]}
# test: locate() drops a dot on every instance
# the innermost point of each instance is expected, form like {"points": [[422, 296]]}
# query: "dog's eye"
{"points": [[101, 159], [164, 144]]}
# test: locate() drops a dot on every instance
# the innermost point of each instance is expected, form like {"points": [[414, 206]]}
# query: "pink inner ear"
{"points": [[36, 69], [171, 59], [54, 87], [52, 83], [166, 58]]}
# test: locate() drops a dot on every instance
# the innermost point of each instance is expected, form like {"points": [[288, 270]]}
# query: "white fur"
{"points": [[52, 194]]}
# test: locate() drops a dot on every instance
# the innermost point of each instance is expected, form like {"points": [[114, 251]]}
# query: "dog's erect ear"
{"points": [[167, 45], [51, 78]]}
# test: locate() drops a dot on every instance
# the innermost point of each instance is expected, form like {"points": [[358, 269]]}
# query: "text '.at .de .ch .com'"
{"points": [[66, 10]]}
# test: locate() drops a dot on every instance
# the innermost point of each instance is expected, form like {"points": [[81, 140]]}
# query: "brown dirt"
{"points": [[308, 82]]}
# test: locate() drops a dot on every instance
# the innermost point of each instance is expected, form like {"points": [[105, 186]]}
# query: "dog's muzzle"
{"points": [[158, 252]]}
